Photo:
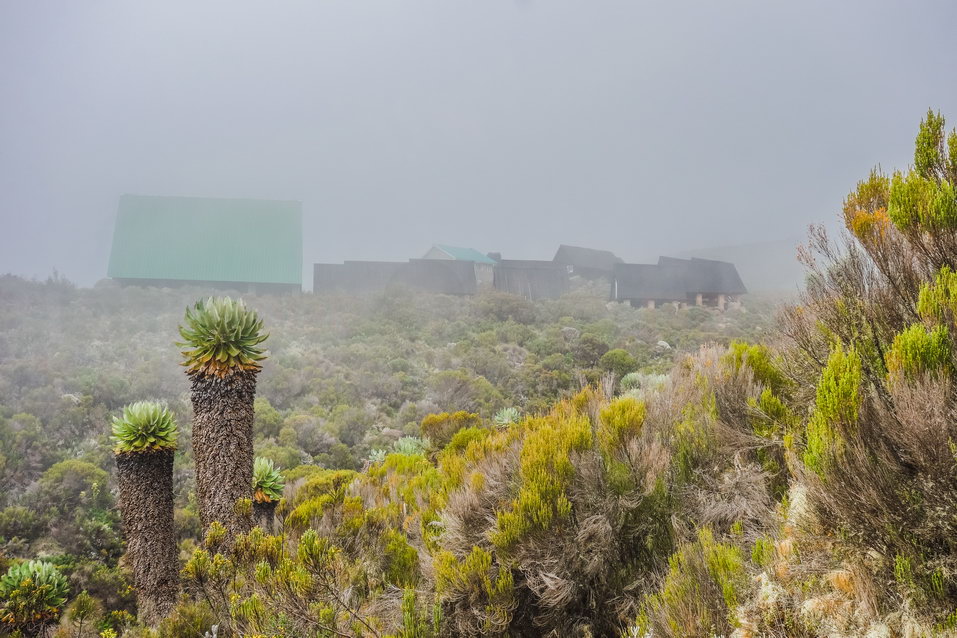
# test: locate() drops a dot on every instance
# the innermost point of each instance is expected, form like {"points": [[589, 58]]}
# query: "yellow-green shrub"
{"points": [[461, 439], [837, 405], [309, 512], [705, 582], [865, 209], [917, 351], [937, 302], [401, 560], [488, 591], [439, 428], [544, 470], [919, 203], [622, 419], [692, 436], [321, 483], [760, 360]]}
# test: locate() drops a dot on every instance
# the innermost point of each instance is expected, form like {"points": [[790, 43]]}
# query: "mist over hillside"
{"points": [[521, 319], [506, 126], [770, 266], [348, 380]]}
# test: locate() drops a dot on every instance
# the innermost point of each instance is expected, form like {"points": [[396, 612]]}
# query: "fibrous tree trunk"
{"points": [[223, 447], [264, 513], [146, 503], [38, 629]]}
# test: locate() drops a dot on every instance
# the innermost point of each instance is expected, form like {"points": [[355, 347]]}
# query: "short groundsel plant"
{"points": [[267, 481], [506, 417], [221, 336], [31, 593], [145, 426]]}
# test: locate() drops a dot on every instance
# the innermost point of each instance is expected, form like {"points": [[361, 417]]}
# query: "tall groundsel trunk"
{"points": [[221, 355], [223, 447], [146, 503], [145, 436]]}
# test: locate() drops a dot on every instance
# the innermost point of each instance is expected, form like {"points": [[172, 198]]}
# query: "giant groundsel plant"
{"points": [[221, 336], [145, 426]]}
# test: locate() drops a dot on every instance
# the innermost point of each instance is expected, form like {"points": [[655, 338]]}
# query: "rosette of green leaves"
{"points": [[410, 446], [267, 481], [145, 426], [506, 417], [32, 592], [221, 336]]}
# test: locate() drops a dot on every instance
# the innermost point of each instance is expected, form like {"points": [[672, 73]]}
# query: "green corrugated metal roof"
{"points": [[205, 239], [465, 254]]}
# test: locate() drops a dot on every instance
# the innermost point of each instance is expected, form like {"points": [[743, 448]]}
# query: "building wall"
{"points": [[590, 273], [224, 286], [532, 283], [484, 274], [439, 276]]}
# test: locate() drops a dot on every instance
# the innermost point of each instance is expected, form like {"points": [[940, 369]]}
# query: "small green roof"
{"points": [[206, 239], [465, 254]]}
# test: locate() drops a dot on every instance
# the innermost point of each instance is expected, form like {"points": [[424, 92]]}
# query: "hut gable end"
{"points": [[586, 260], [676, 280], [531, 279]]}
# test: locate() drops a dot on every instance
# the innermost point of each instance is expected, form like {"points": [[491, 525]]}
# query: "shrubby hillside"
{"points": [[532, 470], [346, 380]]}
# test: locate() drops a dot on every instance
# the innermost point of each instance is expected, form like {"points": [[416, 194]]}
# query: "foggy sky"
{"points": [[642, 127]]}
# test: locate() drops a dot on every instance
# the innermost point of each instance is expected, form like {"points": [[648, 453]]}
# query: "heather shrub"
{"points": [[836, 410], [764, 365], [477, 594], [187, 619], [916, 352], [872, 334], [705, 582], [619, 362], [937, 301], [587, 496], [544, 469], [439, 428]]}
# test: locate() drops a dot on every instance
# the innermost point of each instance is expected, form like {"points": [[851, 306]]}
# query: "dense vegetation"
{"points": [[489, 467], [347, 380]]}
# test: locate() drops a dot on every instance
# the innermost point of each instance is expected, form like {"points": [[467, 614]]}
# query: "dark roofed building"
{"points": [[589, 263], [363, 277], [329, 278], [355, 277], [714, 277], [238, 244], [644, 283], [440, 276], [531, 279], [707, 281], [697, 281]]}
